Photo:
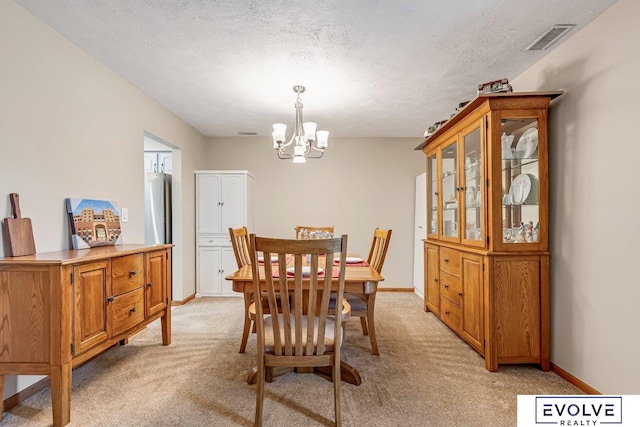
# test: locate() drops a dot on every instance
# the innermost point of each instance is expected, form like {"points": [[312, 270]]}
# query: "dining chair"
{"points": [[312, 232], [362, 305], [240, 243], [303, 333]]}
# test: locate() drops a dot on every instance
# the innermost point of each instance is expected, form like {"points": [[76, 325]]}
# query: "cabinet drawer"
{"points": [[451, 287], [450, 314], [127, 311], [214, 241], [450, 261], [127, 273]]}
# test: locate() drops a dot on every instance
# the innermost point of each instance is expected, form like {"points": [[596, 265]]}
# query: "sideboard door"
{"points": [[90, 282]]}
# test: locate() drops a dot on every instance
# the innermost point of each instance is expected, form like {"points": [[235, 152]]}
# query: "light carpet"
{"points": [[425, 376]]}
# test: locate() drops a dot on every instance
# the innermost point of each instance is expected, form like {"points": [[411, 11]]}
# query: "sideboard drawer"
{"points": [[451, 287], [127, 311], [214, 241], [127, 273], [450, 261], [450, 314]]}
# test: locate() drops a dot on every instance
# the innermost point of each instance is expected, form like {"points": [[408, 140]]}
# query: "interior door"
{"points": [[419, 232]]}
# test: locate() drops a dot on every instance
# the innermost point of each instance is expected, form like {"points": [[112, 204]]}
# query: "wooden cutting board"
{"points": [[19, 230]]}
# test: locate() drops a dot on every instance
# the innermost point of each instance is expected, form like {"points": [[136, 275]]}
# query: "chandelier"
{"points": [[301, 145]]}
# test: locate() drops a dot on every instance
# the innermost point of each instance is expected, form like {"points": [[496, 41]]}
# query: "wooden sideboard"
{"points": [[60, 309]]}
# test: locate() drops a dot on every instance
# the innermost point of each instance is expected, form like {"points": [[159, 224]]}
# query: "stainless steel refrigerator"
{"points": [[157, 207]]}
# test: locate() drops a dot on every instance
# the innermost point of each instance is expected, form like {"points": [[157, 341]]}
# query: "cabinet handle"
{"points": [[446, 261], [435, 280], [459, 294], [149, 285], [221, 203], [446, 312], [446, 286], [132, 310], [436, 193], [110, 299], [132, 273]]}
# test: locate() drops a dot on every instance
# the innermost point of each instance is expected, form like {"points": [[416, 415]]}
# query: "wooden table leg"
{"points": [[348, 373], [61, 394]]}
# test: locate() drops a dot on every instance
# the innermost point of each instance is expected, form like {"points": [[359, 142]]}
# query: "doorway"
{"points": [[162, 157]]}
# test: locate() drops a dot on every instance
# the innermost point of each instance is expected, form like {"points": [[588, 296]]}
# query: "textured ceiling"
{"points": [[372, 68]]}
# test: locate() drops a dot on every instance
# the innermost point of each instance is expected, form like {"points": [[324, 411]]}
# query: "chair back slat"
{"points": [[379, 246], [240, 243], [299, 327]]}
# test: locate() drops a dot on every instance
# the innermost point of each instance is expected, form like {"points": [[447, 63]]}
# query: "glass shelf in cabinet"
{"points": [[517, 163]]}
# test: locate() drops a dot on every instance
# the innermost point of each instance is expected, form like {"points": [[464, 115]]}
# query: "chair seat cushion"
{"points": [[268, 328], [357, 303]]}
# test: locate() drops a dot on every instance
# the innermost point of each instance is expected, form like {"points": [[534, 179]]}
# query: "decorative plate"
{"points": [[350, 259], [527, 144], [306, 271], [520, 188]]}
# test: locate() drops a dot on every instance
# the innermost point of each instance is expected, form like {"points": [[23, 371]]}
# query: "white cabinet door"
{"points": [[209, 204], [232, 201], [209, 266], [165, 162], [229, 265], [150, 162]]}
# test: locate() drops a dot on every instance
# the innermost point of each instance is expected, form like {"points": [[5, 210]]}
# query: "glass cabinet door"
{"points": [[449, 192], [432, 195], [473, 189], [520, 181]]}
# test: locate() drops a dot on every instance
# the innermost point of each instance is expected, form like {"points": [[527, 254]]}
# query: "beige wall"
{"points": [[71, 127], [594, 197], [359, 185]]}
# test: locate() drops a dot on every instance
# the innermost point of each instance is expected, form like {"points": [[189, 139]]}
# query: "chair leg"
{"points": [[336, 392], [247, 322], [259, 393], [371, 324], [363, 322]]}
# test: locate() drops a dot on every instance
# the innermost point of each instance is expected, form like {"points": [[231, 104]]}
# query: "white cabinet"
{"points": [[224, 199], [158, 161], [214, 264]]}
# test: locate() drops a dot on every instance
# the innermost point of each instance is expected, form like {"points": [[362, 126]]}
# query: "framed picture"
{"points": [[93, 223]]}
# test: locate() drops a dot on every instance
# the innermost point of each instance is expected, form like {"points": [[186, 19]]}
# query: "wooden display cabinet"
{"points": [[61, 309], [487, 249]]}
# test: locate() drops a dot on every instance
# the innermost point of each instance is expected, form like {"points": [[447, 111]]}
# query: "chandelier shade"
{"points": [[306, 142]]}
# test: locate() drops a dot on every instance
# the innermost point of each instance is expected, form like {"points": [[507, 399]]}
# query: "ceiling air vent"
{"points": [[550, 36], [247, 133]]}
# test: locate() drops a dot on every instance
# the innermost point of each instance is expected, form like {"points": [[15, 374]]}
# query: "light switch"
{"points": [[124, 217]]}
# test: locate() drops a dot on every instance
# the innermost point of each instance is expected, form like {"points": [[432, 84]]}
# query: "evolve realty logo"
{"points": [[578, 410], [581, 410]]}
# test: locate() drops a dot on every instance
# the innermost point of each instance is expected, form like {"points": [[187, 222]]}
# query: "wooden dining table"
{"points": [[359, 278]]}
